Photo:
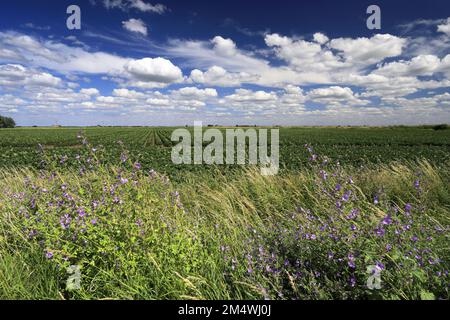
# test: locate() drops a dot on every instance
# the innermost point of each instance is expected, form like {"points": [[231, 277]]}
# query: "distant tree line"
{"points": [[7, 122]]}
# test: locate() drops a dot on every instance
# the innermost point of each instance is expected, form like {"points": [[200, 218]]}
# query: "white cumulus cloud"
{"points": [[157, 70], [135, 25]]}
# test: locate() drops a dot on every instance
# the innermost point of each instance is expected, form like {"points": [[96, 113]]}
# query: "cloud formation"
{"points": [[135, 25]]}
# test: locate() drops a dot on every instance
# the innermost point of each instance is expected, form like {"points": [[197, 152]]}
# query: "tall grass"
{"points": [[308, 234]]}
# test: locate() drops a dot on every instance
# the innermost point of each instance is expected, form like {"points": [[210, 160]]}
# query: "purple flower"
{"points": [[352, 281], [388, 247], [123, 180], [65, 221], [49, 255], [94, 221], [81, 212], [351, 261], [353, 213], [137, 166], [346, 196], [375, 199], [387, 220], [380, 231], [379, 265], [408, 208]]}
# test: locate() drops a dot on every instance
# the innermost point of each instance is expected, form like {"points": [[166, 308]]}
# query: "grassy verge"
{"points": [[323, 232]]}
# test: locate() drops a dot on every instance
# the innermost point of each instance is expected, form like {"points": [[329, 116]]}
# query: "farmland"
{"points": [[347, 200], [152, 146]]}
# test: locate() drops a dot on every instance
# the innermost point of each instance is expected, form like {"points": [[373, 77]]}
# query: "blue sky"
{"points": [[146, 62]]}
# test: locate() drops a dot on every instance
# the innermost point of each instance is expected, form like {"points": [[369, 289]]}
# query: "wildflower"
{"points": [[408, 208], [388, 247], [387, 220], [379, 266], [94, 221], [123, 157], [137, 166], [346, 196], [380, 231], [81, 212], [338, 187], [65, 221], [375, 199], [353, 213], [323, 174], [49, 255], [32, 234], [352, 281], [123, 180], [414, 238], [95, 204], [351, 261]]}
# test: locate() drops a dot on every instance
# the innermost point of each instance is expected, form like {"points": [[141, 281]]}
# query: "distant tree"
{"points": [[441, 127], [6, 122]]}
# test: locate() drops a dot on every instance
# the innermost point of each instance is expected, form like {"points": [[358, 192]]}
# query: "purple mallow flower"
{"points": [[351, 261], [375, 199], [81, 212], [380, 231], [408, 208], [387, 220], [65, 221]]}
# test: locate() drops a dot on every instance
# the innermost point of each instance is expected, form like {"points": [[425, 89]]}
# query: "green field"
{"points": [[140, 227], [152, 146]]}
